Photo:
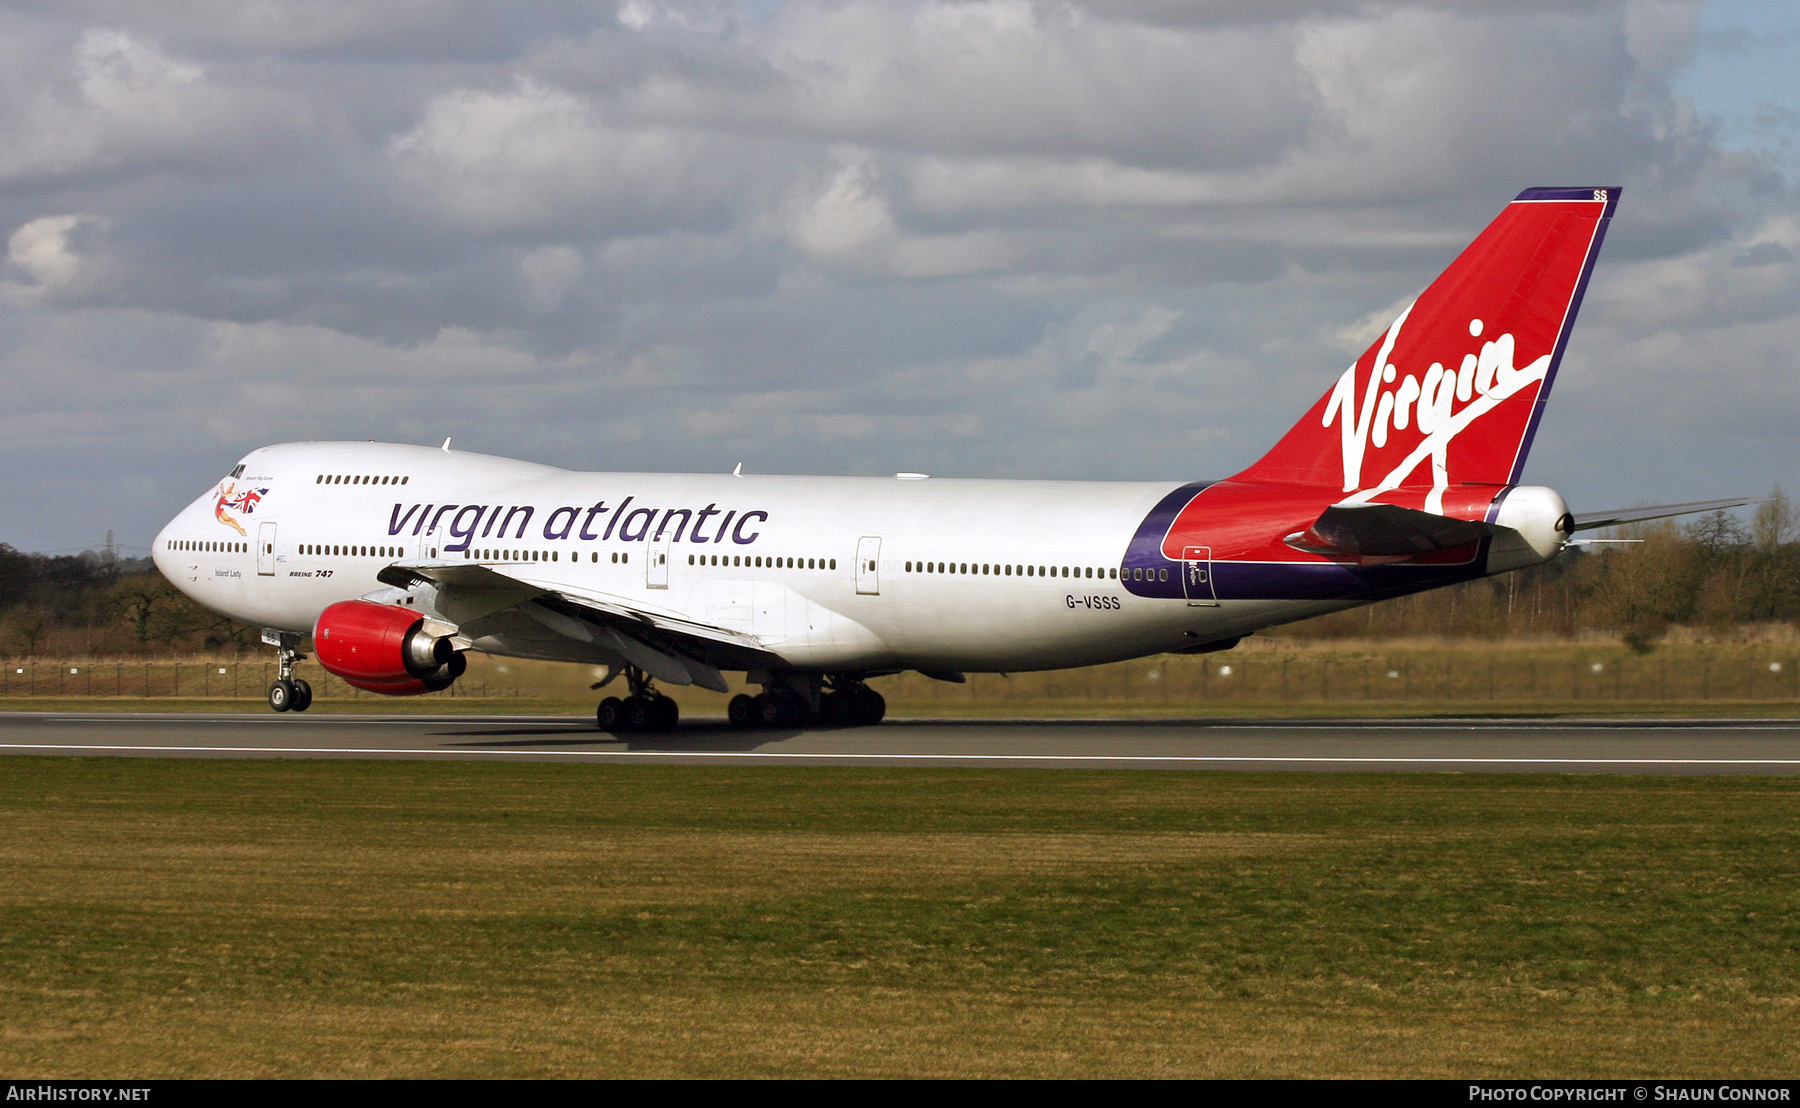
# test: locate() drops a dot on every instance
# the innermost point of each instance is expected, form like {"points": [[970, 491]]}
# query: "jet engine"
{"points": [[385, 648]]}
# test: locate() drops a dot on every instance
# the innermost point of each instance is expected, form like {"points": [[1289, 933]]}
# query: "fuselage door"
{"points": [[868, 566], [656, 560], [1196, 576], [265, 550]]}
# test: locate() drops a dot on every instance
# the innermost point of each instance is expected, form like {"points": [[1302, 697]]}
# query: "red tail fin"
{"points": [[1452, 392]]}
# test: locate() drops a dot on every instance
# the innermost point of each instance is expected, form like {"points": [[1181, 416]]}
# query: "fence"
{"points": [[187, 679], [1470, 676], [1735, 672]]}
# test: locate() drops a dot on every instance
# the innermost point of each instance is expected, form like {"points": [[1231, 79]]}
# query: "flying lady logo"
{"points": [[1438, 409], [244, 502]]}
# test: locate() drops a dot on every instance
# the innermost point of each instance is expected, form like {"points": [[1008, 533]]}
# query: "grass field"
{"points": [[199, 918]]}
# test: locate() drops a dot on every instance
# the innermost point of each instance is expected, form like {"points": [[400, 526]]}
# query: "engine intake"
{"points": [[384, 648]]}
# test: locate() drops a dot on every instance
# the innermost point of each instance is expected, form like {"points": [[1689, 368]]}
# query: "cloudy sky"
{"points": [[1070, 238]]}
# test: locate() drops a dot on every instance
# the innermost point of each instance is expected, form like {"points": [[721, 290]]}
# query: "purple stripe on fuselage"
{"points": [[1273, 580], [1145, 551]]}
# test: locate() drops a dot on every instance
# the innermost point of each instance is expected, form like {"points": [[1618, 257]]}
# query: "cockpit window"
{"points": [[239, 470]]}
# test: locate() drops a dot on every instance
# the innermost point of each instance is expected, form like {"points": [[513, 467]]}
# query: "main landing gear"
{"points": [[805, 701], [289, 693], [645, 709]]}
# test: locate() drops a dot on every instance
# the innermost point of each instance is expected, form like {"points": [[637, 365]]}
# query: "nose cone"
{"points": [[177, 565], [159, 551]]}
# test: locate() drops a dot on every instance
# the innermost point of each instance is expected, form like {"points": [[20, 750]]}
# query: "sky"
{"points": [[1092, 239]]}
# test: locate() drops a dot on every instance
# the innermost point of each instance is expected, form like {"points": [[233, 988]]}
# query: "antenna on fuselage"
{"points": [[739, 471], [446, 447]]}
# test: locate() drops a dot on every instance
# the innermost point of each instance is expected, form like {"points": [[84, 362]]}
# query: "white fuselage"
{"points": [[822, 572]]}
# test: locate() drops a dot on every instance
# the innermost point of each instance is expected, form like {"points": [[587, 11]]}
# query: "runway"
{"points": [[1470, 746]]}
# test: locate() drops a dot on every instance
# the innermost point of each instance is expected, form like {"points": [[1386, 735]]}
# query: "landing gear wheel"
{"points": [[769, 711], [665, 714], [835, 710], [868, 708], [744, 712], [610, 715], [302, 696], [636, 715], [281, 696], [782, 709]]}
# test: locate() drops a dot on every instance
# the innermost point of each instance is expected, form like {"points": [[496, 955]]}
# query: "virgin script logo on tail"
{"points": [[1398, 406], [1458, 382]]}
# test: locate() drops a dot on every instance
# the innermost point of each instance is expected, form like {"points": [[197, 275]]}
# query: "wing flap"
{"points": [[670, 648]]}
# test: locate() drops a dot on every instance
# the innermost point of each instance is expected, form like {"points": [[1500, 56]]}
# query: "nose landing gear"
{"points": [[646, 709], [288, 693]]}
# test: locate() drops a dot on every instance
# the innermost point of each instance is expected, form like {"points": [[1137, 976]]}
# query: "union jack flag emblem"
{"points": [[244, 502]]}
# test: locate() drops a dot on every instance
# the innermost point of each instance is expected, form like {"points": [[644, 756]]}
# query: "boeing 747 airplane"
{"points": [[397, 560]]}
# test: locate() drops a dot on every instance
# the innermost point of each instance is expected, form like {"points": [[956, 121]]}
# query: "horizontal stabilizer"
{"points": [[1588, 521], [1371, 533]]}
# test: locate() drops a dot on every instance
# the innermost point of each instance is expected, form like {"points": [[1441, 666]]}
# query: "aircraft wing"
{"points": [[1588, 521], [1372, 533], [668, 647]]}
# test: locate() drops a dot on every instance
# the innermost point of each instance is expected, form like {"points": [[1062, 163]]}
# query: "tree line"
{"points": [[1716, 574], [93, 603]]}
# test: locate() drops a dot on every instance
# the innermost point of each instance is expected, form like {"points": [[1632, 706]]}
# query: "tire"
{"points": [[610, 715], [665, 714], [785, 710], [281, 696], [771, 710], [302, 696], [636, 716], [744, 712], [834, 710], [870, 707]]}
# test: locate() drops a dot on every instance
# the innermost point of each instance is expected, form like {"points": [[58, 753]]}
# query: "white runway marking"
{"points": [[826, 756]]}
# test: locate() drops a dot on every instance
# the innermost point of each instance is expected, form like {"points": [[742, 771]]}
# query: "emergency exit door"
{"points": [[1197, 577], [868, 566]]}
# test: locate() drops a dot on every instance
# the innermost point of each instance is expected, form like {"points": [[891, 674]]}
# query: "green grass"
{"points": [[307, 918]]}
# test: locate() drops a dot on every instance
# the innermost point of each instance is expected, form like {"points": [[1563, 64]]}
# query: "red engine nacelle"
{"points": [[384, 648]]}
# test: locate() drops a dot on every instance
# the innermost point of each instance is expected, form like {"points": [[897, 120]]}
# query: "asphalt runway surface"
{"points": [[1495, 746]]}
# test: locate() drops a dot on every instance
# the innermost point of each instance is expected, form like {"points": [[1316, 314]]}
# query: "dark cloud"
{"points": [[1095, 238]]}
